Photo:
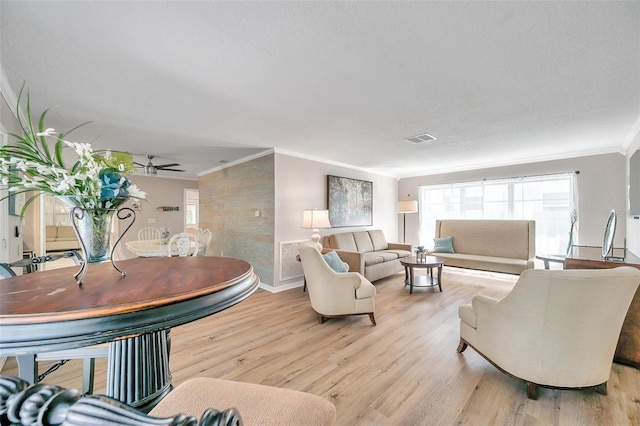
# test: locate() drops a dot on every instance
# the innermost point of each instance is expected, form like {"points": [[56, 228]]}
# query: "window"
{"points": [[547, 199], [55, 212], [191, 210]]}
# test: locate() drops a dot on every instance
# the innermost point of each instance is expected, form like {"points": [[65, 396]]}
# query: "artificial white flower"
{"points": [[135, 192], [47, 132]]}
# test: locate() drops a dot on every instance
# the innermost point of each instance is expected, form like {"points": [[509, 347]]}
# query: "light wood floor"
{"points": [[404, 371]]}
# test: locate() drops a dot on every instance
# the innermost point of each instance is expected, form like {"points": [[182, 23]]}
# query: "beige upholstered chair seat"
{"points": [[556, 328], [256, 404]]}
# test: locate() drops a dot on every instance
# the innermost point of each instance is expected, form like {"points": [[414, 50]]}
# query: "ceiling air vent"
{"points": [[420, 138]]}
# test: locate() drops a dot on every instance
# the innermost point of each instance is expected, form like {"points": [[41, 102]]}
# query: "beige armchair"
{"points": [[333, 293], [555, 329]]}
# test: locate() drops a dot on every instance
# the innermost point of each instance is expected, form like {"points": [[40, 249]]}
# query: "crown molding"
{"points": [[333, 163], [7, 93], [236, 162]]}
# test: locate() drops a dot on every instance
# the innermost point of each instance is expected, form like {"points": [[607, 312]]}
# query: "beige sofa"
{"points": [[492, 245], [368, 252], [61, 238]]}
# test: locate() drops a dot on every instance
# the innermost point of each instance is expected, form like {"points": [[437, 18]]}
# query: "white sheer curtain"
{"points": [[547, 199]]}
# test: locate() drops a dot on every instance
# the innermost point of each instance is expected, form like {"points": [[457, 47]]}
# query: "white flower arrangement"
{"points": [[97, 180]]}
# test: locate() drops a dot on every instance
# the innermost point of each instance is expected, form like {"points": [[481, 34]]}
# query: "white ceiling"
{"points": [[203, 82]]}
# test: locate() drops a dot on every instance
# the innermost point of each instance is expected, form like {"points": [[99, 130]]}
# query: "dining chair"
{"points": [[28, 364], [149, 233], [183, 241], [204, 398], [204, 239]]}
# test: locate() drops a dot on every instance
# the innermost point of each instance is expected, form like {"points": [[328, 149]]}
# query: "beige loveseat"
{"points": [[491, 245], [61, 238], [368, 252]]}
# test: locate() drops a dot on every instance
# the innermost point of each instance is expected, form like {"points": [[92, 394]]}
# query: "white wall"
{"points": [[601, 188], [160, 192], [14, 244], [633, 223], [302, 184]]}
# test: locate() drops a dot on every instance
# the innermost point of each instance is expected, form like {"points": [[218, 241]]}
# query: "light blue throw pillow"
{"points": [[443, 245], [334, 261]]}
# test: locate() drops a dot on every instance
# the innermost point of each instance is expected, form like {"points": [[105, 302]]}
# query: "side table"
{"points": [[430, 262]]}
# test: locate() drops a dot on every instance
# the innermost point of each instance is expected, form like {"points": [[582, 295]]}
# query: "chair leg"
{"points": [[372, 318], [602, 388], [461, 346], [27, 368], [88, 367], [321, 318], [532, 390]]}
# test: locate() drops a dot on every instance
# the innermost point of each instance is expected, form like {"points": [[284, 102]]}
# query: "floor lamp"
{"points": [[404, 207]]}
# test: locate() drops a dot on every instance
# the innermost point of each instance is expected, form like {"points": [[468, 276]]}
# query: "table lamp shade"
{"points": [[408, 206], [316, 219]]}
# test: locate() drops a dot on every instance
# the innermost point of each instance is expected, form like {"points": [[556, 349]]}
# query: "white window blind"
{"points": [[547, 199]]}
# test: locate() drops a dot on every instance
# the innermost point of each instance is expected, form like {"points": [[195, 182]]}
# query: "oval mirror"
{"points": [[609, 231]]}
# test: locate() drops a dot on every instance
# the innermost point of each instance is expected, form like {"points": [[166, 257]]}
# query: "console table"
{"points": [[590, 257], [47, 311]]}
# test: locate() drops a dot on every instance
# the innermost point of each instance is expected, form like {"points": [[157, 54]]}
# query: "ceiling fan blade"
{"points": [[138, 164], [169, 170], [167, 165]]}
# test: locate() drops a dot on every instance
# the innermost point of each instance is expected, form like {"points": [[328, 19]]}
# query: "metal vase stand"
{"points": [[78, 213]]}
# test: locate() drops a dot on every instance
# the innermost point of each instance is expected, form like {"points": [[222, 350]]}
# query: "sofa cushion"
{"points": [[372, 259], [387, 255], [51, 232], [443, 245], [66, 233], [365, 289], [485, 263], [400, 253], [334, 261], [363, 241], [378, 239], [343, 241]]}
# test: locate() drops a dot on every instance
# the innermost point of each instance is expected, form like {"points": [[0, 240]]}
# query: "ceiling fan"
{"points": [[152, 169]]}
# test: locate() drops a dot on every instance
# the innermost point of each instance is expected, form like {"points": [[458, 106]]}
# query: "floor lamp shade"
{"points": [[404, 207], [407, 206], [316, 219]]}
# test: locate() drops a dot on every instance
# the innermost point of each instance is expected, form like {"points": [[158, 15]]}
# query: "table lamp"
{"points": [[316, 219]]}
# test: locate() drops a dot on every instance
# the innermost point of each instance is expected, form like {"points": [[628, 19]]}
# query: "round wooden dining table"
{"points": [[48, 311]]}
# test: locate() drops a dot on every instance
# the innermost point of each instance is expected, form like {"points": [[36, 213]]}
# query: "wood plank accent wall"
{"points": [[229, 199]]}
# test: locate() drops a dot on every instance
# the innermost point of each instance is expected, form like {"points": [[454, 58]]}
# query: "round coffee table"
{"points": [[428, 280]]}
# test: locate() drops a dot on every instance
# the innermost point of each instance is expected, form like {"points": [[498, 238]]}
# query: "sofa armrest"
{"points": [[481, 301], [398, 246], [354, 259]]}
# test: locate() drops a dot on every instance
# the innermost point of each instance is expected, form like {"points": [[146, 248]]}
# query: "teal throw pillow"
{"points": [[443, 245], [334, 261]]}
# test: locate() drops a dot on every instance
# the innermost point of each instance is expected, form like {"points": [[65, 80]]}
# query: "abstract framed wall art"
{"points": [[350, 201]]}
